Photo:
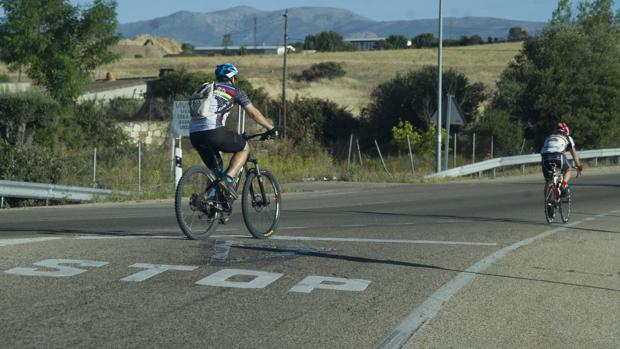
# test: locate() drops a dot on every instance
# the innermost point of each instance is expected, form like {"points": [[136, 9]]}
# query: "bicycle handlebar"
{"points": [[248, 137]]}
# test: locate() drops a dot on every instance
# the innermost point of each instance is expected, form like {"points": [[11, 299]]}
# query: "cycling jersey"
{"points": [[557, 143], [226, 97]]}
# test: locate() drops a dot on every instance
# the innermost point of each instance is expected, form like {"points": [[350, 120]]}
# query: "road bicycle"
{"points": [[201, 202], [554, 200]]}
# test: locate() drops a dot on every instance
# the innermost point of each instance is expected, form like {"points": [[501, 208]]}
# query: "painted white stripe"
{"points": [[387, 241], [106, 237], [10, 242], [421, 315]]}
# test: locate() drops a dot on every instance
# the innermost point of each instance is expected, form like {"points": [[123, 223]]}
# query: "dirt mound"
{"points": [[149, 45]]}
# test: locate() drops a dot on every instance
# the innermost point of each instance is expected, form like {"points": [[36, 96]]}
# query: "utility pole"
{"points": [[439, 96], [255, 32], [284, 73]]}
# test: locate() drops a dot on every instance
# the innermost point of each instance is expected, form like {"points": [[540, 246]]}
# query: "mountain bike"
{"points": [[554, 200], [201, 202]]}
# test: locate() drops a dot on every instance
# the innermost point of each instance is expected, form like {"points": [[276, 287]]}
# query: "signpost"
{"points": [[451, 115], [179, 129]]}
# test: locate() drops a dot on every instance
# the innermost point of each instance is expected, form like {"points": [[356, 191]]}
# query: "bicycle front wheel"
{"points": [[261, 203], [549, 202], [197, 214], [565, 206]]}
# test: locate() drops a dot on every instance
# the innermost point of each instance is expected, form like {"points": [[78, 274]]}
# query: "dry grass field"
{"points": [[365, 70]]}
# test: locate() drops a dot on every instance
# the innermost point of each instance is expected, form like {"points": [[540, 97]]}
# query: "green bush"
{"points": [[23, 113], [507, 133], [318, 120], [31, 164], [178, 85], [324, 70], [4, 78], [123, 109], [413, 97]]}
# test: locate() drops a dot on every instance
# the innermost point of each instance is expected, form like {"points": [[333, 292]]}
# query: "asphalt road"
{"points": [[468, 264]]}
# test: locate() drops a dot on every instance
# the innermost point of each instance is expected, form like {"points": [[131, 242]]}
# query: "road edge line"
{"points": [[422, 314]]}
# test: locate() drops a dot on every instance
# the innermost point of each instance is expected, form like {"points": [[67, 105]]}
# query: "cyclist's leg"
{"points": [[237, 161], [201, 142], [566, 169], [232, 142]]}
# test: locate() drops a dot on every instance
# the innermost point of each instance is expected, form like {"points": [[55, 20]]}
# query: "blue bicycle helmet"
{"points": [[225, 71]]}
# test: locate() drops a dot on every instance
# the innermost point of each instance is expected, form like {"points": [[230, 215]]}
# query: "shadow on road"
{"points": [[413, 265]]}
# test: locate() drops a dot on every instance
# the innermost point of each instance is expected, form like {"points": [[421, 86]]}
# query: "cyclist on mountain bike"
{"points": [[207, 134], [553, 151]]}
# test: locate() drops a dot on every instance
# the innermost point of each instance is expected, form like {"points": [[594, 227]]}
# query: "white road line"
{"points": [[105, 237], [11, 242], [387, 241], [425, 312]]}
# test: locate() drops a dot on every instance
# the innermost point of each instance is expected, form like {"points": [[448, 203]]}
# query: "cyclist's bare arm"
{"points": [[258, 116], [573, 152]]}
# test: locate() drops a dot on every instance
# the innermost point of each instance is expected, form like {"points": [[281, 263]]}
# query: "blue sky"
{"points": [[533, 10]]}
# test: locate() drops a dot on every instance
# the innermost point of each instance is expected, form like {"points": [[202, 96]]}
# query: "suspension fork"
{"points": [[261, 184]]}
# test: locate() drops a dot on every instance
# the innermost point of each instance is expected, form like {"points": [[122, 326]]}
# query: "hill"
{"points": [[208, 29]]}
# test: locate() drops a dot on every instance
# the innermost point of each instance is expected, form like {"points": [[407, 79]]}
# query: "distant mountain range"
{"points": [[208, 29]]}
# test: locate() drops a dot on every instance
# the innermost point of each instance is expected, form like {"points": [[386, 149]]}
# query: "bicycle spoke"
{"points": [[196, 213], [261, 204]]}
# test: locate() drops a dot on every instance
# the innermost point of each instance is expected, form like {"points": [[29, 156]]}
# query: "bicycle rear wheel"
{"points": [[565, 206], [549, 202], [261, 203], [196, 214]]}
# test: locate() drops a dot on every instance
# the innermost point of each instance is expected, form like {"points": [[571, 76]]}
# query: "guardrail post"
{"points": [[139, 167], [492, 157], [454, 149], [618, 160], [522, 169], [410, 155], [595, 162], [473, 149], [381, 157], [1, 202], [95, 168], [359, 152], [350, 149]]}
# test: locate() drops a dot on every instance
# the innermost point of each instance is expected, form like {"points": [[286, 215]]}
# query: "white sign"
{"points": [[180, 119]]}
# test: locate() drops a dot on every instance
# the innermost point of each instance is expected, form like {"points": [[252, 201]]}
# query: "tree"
{"points": [[188, 49], [227, 42], [470, 40], [517, 34], [330, 41], [569, 73], [424, 40], [57, 44], [397, 41], [310, 42], [413, 97]]}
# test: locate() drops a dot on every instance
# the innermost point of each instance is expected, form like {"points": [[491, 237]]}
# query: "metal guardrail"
{"points": [[517, 160], [49, 191]]}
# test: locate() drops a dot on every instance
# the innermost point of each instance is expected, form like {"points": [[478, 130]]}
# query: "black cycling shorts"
{"points": [[549, 159], [212, 141]]}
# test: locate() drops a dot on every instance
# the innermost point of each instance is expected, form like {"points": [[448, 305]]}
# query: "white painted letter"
{"points": [[61, 271], [329, 283], [261, 279], [154, 269]]}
